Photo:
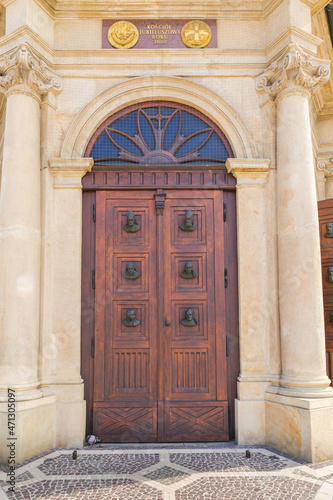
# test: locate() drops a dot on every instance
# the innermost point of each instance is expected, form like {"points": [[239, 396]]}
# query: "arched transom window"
{"points": [[158, 133]]}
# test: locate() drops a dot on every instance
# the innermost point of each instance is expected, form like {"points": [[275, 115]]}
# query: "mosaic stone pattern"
{"points": [[231, 462], [84, 489], [166, 475], [174, 472], [275, 488], [103, 464], [19, 479]]}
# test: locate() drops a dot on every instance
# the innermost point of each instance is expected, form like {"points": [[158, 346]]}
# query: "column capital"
{"points": [[22, 70], [68, 172], [325, 165], [248, 171], [294, 71]]}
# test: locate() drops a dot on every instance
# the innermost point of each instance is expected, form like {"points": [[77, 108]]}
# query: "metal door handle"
{"points": [[167, 323]]}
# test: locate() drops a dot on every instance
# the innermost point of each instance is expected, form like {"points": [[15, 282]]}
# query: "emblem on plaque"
{"points": [[123, 35], [196, 34]]}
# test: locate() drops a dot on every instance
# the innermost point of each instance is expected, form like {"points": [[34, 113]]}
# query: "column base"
{"points": [[57, 419], [71, 424], [23, 392], [301, 427], [70, 412], [305, 388], [250, 410], [250, 422], [31, 431]]}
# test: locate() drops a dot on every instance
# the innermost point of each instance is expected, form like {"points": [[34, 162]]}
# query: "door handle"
{"points": [[167, 323]]}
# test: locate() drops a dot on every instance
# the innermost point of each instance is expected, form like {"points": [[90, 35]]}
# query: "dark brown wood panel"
{"points": [[325, 209], [125, 357], [190, 421]]}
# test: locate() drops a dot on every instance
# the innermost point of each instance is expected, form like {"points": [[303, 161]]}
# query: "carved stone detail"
{"points": [[323, 164], [22, 67], [294, 69]]}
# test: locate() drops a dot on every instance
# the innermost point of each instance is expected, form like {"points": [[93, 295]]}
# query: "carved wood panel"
{"points": [[125, 358], [189, 422], [126, 422]]}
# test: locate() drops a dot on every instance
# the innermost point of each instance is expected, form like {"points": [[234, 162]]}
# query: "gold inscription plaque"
{"points": [[123, 35], [196, 34]]}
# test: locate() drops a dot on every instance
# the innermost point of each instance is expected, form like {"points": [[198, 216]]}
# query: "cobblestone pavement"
{"points": [[169, 472]]}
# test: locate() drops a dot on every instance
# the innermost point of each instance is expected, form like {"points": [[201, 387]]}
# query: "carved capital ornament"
{"points": [[23, 68], [323, 166], [293, 70]]}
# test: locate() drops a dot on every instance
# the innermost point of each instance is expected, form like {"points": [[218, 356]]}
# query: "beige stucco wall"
{"points": [[221, 83]]}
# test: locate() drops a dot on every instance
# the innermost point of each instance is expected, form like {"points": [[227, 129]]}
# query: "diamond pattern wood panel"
{"points": [[126, 423], [196, 423]]}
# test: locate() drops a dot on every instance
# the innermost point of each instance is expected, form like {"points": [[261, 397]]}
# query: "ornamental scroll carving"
{"points": [[294, 69], [23, 67], [326, 166]]}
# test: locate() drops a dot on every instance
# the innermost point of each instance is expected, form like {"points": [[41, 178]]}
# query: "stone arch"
{"points": [[158, 88]]}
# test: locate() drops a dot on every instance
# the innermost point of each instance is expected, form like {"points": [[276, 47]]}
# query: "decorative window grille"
{"points": [[158, 133]]}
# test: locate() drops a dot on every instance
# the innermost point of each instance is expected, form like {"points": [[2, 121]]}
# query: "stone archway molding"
{"points": [[152, 88]]}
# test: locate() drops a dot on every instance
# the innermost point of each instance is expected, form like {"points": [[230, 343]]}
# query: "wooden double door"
{"points": [[161, 317]]}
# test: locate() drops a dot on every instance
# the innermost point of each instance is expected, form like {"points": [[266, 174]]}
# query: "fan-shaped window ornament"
{"points": [[158, 133]]}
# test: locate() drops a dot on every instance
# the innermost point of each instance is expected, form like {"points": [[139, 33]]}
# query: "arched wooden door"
{"points": [[159, 303]]}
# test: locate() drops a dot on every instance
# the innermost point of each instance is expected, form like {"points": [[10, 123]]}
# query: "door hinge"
{"points": [[91, 419], [93, 279], [92, 347], [227, 345], [94, 212], [224, 212], [225, 278]]}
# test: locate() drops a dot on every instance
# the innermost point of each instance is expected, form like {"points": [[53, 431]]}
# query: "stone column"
{"points": [[24, 80], [290, 81]]}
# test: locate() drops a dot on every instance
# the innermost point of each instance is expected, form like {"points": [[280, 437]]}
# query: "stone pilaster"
{"points": [[24, 79], [251, 175], [64, 348]]}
